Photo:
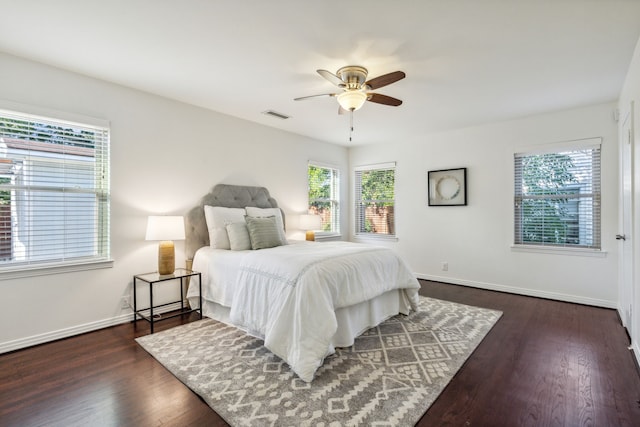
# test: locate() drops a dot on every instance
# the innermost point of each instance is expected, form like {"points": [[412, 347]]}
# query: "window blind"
{"points": [[324, 188], [557, 198], [54, 191], [375, 199]]}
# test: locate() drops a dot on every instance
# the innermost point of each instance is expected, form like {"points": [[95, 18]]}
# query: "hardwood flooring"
{"points": [[545, 363]]}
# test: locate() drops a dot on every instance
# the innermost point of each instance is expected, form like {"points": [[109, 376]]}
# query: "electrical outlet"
{"points": [[125, 303], [445, 266]]}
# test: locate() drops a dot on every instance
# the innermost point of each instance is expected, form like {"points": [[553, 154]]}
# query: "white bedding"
{"points": [[288, 295]]}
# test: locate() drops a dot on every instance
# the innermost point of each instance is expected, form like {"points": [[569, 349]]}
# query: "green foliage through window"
{"points": [[375, 201], [324, 184], [557, 198], [40, 131], [5, 195]]}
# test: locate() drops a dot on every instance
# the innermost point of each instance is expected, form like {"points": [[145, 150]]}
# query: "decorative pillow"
{"points": [[263, 232], [239, 239], [265, 212], [217, 218]]}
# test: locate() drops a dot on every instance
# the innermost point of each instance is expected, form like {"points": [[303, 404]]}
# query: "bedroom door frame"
{"points": [[626, 269]]}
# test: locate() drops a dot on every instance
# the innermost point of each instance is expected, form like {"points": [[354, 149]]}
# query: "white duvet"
{"points": [[288, 295]]}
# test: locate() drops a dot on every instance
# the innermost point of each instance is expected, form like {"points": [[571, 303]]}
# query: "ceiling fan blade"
{"points": [[384, 99], [384, 80], [331, 77], [313, 96]]}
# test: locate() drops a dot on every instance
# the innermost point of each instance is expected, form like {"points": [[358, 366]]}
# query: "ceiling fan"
{"points": [[352, 79]]}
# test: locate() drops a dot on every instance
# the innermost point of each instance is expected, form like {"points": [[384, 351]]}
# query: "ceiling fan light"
{"points": [[352, 100]]}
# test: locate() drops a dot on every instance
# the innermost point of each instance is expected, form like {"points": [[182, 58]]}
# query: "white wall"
{"points": [[631, 92], [475, 240], [165, 156]]}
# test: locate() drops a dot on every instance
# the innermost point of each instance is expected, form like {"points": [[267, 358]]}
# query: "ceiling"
{"points": [[467, 62]]}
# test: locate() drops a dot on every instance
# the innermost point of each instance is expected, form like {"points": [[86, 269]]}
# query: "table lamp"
{"points": [[310, 223], [166, 229]]}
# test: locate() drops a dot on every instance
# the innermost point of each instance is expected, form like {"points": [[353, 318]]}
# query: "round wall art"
{"points": [[448, 187]]}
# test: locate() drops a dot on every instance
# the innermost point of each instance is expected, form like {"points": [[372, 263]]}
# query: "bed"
{"points": [[303, 299]]}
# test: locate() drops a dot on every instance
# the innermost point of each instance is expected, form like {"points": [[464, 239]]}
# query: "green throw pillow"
{"points": [[263, 232]]}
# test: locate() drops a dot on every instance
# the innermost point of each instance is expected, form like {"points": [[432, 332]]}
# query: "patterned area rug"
{"points": [[390, 376]]}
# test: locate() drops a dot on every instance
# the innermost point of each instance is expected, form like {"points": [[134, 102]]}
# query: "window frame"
{"points": [[334, 199], [100, 216], [595, 220], [358, 201]]}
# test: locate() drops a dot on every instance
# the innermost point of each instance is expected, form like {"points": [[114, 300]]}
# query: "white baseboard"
{"points": [[75, 330], [521, 291]]}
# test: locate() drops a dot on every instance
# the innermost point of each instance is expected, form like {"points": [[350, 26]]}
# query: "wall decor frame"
{"points": [[447, 187]]}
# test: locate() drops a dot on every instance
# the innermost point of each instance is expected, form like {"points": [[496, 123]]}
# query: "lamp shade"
{"points": [[352, 100], [310, 222], [165, 228]]}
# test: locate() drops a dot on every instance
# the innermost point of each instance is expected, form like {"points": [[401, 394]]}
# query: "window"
{"points": [[324, 185], [557, 196], [54, 192], [375, 200]]}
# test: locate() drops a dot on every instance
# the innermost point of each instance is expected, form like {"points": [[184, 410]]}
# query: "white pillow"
{"points": [[264, 212], [239, 236], [218, 218]]}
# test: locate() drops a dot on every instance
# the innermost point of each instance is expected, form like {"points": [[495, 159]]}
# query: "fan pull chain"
{"points": [[350, 124]]}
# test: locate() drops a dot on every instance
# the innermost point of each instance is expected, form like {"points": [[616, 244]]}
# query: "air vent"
{"points": [[275, 114]]}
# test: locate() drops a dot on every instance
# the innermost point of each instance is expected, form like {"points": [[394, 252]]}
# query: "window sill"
{"points": [[378, 237], [597, 253], [18, 272], [328, 236]]}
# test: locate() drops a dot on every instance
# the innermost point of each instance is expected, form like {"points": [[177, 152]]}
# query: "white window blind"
{"points": [[557, 197], [324, 195], [375, 200], [54, 192]]}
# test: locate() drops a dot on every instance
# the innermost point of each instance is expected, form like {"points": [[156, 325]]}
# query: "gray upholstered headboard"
{"points": [[230, 196]]}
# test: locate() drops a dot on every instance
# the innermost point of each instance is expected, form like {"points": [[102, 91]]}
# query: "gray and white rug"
{"points": [[390, 376]]}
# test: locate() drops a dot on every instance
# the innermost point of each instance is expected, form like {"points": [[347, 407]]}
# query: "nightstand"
{"points": [[180, 275]]}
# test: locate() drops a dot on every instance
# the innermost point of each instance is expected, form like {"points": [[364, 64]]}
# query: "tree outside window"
{"points": [[375, 200], [324, 183], [557, 198]]}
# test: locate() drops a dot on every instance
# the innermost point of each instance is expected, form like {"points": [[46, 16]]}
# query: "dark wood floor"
{"points": [[545, 363]]}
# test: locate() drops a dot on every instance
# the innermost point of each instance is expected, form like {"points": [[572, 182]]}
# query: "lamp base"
{"points": [[166, 258], [311, 235]]}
